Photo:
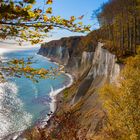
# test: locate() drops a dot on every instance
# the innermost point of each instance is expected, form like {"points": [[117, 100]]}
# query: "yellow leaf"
{"points": [[29, 6], [80, 23], [49, 10], [49, 2]]}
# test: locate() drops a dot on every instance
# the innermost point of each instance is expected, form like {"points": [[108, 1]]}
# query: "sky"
{"points": [[66, 9]]}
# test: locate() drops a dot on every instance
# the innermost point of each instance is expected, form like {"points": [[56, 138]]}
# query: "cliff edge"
{"points": [[92, 66]]}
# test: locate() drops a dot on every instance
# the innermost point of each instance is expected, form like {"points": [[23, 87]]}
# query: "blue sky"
{"points": [[67, 8]]}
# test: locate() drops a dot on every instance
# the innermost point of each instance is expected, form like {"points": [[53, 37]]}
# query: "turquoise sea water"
{"points": [[23, 102]]}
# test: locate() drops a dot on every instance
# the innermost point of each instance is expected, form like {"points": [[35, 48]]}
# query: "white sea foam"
{"points": [[53, 93], [5, 50], [12, 116], [53, 103]]}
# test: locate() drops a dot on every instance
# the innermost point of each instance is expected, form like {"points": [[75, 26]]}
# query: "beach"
{"points": [[36, 100]]}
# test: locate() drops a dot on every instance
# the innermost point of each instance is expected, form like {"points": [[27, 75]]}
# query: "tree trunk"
{"points": [[128, 37]]}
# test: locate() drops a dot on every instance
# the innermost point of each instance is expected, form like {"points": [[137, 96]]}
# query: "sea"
{"points": [[24, 103]]}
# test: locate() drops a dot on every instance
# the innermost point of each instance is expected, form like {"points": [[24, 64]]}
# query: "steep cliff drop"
{"points": [[91, 69]]}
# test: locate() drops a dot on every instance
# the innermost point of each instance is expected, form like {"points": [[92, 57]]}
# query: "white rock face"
{"points": [[86, 58], [103, 68], [104, 64]]}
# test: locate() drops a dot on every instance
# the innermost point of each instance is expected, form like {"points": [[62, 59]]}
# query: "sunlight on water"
{"points": [[11, 110], [22, 102], [4, 50]]}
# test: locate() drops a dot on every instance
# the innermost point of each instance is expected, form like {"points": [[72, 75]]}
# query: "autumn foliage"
{"points": [[122, 103], [23, 67], [120, 26], [24, 21]]}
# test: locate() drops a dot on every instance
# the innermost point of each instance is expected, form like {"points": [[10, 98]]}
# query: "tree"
{"points": [[120, 21], [20, 19]]}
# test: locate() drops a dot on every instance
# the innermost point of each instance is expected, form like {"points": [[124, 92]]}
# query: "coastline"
{"points": [[55, 95], [12, 87]]}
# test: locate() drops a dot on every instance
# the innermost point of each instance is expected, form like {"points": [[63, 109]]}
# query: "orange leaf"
{"points": [[45, 18]]}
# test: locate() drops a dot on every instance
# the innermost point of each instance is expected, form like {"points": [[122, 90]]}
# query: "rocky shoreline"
{"points": [[56, 97], [91, 69]]}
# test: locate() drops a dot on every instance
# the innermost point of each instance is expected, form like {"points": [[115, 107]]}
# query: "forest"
{"points": [[120, 23], [120, 26]]}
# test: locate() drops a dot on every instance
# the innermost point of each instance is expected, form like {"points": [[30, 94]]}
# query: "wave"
{"points": [[12, 116], [54, 93], [53, 104]]}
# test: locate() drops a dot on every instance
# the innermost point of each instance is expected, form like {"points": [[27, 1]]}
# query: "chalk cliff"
{"points": [[92, 66], [75, 53]]}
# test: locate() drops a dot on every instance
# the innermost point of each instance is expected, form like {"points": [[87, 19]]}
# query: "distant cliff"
{"points": [[75, 53], [65, 51], [92, 66]]}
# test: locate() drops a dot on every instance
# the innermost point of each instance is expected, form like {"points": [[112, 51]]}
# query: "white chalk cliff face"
{"points": [[103, 69], [86, 58], [104, 64], [101, 61], [100, 65]]}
